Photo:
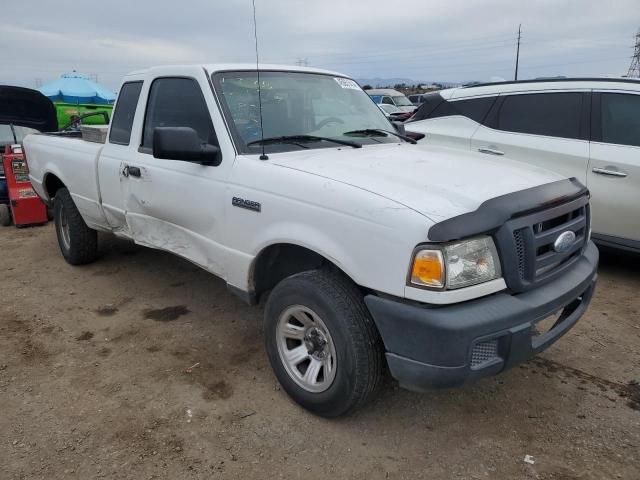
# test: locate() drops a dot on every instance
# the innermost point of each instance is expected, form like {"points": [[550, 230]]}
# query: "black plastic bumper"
{"points": [[446, 346]]}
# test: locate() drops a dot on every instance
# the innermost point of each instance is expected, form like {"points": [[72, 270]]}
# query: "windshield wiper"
{"points": [[303, 138], [372, 132]]}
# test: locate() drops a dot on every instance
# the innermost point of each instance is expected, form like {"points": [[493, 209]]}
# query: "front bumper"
{"points": [[434, 347]]}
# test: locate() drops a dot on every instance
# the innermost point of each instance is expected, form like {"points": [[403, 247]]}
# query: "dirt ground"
{"points": [[94, 383]]}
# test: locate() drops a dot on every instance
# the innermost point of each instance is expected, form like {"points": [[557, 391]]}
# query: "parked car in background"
{"points": [[417, 98], [22, 111], [393, 113], [583, 128], [389, 96]]}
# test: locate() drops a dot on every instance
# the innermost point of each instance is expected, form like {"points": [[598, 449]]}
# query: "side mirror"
{"points": [[415, 135], [183, 143], [399, 126]]}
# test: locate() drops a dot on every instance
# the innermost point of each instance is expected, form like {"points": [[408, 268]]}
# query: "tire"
{"points": [[337, 323], [5, 215], [78, 243]]}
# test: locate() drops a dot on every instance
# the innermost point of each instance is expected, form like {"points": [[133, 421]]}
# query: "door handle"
{"points": [[611, 173], [131, 171], [491, 151]]}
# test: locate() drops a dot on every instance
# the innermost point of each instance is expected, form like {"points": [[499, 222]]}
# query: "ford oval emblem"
{"points": [[564, 241]]}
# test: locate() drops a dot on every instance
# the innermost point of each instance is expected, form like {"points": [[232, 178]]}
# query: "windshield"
{"points": [[6, 136], [295, 103], [402, 101], [389, 108]]}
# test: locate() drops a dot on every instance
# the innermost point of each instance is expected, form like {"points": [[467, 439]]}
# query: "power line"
{"points": [[430, 46], [634, 68]]}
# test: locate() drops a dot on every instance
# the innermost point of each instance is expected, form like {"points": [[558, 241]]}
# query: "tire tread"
{"points": [[364, 336], [84, 240]]}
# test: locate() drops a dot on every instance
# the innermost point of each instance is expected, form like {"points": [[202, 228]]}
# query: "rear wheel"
{"points": [[5, 215], [78, 243], [322, 343]]}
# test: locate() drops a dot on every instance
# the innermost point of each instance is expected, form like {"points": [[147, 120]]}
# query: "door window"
{"points": [[549, 114], [621, 119], [125, 111], [387, 100], [177, 102], [434, 106]]}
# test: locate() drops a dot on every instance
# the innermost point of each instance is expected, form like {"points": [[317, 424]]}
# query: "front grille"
{"points": [[527, 242], [520, 252], [484, 352]]}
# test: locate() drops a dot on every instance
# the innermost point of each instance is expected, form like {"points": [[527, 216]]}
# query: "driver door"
{"points": [[176, 205]]}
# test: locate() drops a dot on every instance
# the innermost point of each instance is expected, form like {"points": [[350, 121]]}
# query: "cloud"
{"points": [[435, 40]]}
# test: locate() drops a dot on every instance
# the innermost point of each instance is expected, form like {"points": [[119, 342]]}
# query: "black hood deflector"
{"points": [[493, 213], [27, 108]]}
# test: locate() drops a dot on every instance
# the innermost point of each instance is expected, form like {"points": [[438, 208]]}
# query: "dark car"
{"points": [[22, 111]]}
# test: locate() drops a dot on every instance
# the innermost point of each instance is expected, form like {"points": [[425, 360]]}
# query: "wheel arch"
{"points": [[278, 261], [52, 183]]}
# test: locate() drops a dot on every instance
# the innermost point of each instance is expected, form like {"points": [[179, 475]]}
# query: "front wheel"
{"points": [[322, 343], [78, 243]]}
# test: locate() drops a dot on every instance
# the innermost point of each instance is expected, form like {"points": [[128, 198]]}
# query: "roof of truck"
{"points": [[222, 67]]}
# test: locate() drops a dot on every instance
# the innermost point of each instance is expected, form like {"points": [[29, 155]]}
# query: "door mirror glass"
{"points": [[183, 143]]}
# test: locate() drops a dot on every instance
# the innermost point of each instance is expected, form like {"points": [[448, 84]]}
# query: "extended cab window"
{"points": [[621, 119], [125, 111], [549, 114], [177, 102]]}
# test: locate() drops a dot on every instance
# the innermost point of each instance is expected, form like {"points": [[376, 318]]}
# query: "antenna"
{"points": [[518, 51], [255, 36]]}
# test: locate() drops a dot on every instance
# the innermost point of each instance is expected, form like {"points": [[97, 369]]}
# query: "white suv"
{"points": [[583, 128]]}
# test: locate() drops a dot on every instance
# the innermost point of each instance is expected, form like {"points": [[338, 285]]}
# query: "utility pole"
{"points": [[634, 68], [518, 51]]}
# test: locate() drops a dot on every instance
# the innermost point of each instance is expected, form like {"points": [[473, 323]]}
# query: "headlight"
{"points": [[456, 265]]}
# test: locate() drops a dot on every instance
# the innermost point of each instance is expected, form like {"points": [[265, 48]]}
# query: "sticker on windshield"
{"points": [[346, 83]]}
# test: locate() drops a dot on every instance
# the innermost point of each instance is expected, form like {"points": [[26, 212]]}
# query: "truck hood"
{"points": [[27, 108], [437, 182]]}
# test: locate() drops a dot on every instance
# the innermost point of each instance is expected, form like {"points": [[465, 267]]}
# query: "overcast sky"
{"points": [[430, 40]]}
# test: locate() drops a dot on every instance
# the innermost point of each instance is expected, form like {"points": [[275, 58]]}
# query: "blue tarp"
{"points": [[77, 88]]}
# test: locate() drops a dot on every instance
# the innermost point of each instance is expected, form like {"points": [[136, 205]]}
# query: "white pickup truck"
{"points": [[371, 251]]}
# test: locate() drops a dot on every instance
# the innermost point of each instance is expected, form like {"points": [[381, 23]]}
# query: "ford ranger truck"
{"points": [[369, 252]]}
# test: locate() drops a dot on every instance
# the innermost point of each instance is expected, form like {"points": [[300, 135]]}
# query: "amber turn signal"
{"points": [[428, 269]]}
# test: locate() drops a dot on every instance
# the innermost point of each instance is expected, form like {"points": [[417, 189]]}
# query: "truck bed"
{"points": [[74, 161]]}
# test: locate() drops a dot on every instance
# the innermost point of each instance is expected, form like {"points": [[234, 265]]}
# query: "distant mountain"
{"points": [[386, 82], [378, 82]]}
